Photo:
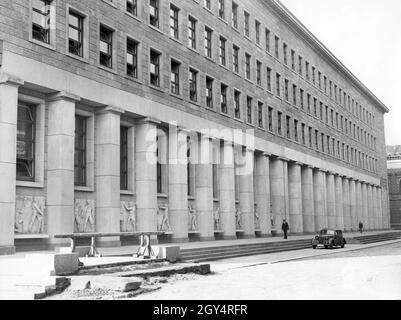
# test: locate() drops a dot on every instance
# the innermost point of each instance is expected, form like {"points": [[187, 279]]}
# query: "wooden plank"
{"points": [[105, 234]]}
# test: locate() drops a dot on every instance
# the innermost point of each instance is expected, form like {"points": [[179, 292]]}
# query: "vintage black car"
{"points": [[329, 238]]}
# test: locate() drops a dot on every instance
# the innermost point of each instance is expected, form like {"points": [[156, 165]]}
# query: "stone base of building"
{"points": [[228, 238], [206, 239], [6, 250], [246, 236], [263, 235], [179, 240]]}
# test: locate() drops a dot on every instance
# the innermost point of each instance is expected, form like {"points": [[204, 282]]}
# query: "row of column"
{"points": [[307, 197]]}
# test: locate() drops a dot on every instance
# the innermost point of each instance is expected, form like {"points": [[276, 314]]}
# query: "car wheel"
{"points": [[326, 247], [314, 247], [343, 245]]}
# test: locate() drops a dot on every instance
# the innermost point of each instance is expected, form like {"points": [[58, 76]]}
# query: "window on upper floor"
{"points": [[269, 78], [260, 115], [174, 30], [237, 104], [154, 68], [247, 66], [279, 123], [278, 91], [246, 24], [300, 65], [132, 7], [193, 85], [26, 124], [192, 32], [209, 92], [234, 16], [132, 58], [235, 59], [106, 47], [249, 110], [42, 20], [75, 33], [222, 51], [276, 45], [293, 60], [208, 42], [123, 158], [259, 73], [267, 39], [285, 53], [257, 32], [223, 98], [294, 94], [270, 118], [175, 77], [296, 130], [222, 10], [208, 4], [288, 126], [154, 13], [286, 84]]}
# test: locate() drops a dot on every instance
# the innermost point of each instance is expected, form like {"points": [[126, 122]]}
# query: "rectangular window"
{"points": [[41, 20], [267, 39], [301, 98], [258, 73], [286, 95], [209, 92], [193, 85], [320, 79], [260, 114], [269, 78], [321, 111], [322, 135], [175, 77], [246, 24], [237, 106], [276, 44], [235, 15], [174, 21], [308, 101], [279, 123], [208, 4], [80, 151], [223, 98], [294, 94], [75, 34], [292, 59], [307, 70], [154, 68], [106, 47], [154, 13], [236, 59], [26, 124], [208, 42], [132, 58], [257, 32], [249, 109], [296, 130], [300, 65], [221, 9], [248, 66], [313, 75], [278, 84], [132, 7], [270, 118], [316, 140], [315, 107], [123, 158], [285, 53], [222, 52], [192, 32], [288, 127], [310, 136], [303, 134]]}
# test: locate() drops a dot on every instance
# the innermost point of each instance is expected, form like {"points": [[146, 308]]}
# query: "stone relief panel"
{"points": [[128, 216], [192, 218], [257, 217], [30, 215], [238, 217], [163, 223], [217, 218], [84, 216]]}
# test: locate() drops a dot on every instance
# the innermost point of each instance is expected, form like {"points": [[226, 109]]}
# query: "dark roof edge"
{"points": [[308, 35]]}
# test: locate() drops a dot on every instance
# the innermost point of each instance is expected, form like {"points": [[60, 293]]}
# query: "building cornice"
{"points": [[299, 28]]}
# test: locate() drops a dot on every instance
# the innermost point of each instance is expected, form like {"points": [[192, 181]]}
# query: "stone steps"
{"points": [[378, 237], [209, 254]]}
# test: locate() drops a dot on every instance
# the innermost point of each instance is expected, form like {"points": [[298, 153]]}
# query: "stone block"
{"points": [[170, 253], [110, 283], [52, 264]]}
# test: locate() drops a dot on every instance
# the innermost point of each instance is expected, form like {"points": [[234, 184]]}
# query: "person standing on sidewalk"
{"points": [[360, 226], [285, 227]]}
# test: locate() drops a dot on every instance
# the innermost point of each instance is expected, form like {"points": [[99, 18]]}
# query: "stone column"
{"points": [[379, 209], [262, 193], [365, 213], [384, 209], [359, 205], [295, 198], [308, 208], [286, 191], [178, 184], [353, 206], [318, 198], [375, 207], [331, 201], [107, 173], [145, 167], [339, 203], [204, 189], [227, 190], [371, 212], [60, 165], [277, 189], [246, 197], [347, 205], [8, 142]]}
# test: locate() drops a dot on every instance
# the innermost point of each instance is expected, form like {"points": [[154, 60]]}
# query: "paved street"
{"points": [[372, 273]]}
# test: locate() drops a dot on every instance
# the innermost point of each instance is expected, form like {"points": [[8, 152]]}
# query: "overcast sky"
{"points": [[365, 36]]}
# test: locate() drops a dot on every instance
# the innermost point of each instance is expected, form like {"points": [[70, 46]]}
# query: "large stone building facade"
{"points": [[394, 181], [103, 102]]}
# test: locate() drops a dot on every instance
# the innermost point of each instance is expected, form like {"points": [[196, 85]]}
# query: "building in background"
{"points": [[394, 180], [88, 92]]}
